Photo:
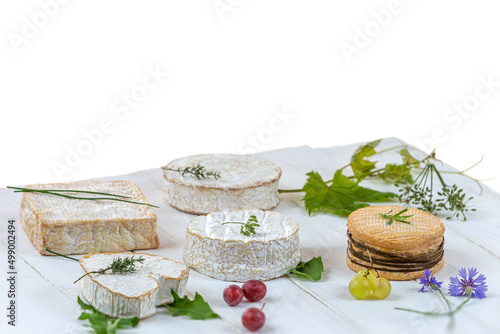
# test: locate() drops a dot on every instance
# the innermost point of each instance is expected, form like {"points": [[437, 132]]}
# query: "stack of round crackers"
{"points": [[399, 251]]}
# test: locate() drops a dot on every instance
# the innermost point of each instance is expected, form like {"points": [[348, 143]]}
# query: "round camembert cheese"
{"points": [[221, 251], [134, 294], [245, 182]]}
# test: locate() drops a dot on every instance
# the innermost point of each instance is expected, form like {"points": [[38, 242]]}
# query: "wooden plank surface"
{"points": [[47, 297]]}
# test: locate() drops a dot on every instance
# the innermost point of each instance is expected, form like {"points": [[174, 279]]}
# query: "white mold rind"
{"points": [[222, 252], [246, 182], [134, 294]]}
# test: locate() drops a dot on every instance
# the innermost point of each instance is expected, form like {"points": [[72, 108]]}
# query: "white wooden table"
{"points": [[46, 296]]}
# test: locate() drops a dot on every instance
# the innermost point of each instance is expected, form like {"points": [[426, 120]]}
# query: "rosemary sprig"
{"points": [[248, 227], [396, 217], [199, 171], [118, 266], [58, 192]]}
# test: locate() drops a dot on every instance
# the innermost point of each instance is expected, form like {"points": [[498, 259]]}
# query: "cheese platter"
{"points": [[47, 298]]}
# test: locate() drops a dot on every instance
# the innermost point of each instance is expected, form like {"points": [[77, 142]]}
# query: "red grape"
{"points": [[254, 290], [233, 295], [253, 319]]}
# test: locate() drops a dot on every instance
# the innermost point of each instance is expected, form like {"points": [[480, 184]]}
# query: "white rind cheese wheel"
{"points": [[223, 252], [134, 294], [245, 182]]}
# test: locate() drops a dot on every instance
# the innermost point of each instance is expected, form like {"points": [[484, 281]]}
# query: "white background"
{"points": [[233, 66]]}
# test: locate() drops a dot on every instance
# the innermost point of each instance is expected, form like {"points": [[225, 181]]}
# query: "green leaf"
{"points": [[316, 191], [128, 322], [397, 216], [248, 227], [396, 173], [342, 197], [311, 269], [85, 306], [197, 308], [361, 166], [407, 157], [101, 323]]}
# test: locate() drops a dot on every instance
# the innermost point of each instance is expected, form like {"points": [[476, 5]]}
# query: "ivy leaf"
{"points": [[311, 269], [101, 323], [407, 157], [361, 166], [197, 308], [342, 197], [396, 173]]}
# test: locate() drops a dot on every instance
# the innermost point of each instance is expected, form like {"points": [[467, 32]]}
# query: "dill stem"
{"points": [[467, 176], [438, 175]]}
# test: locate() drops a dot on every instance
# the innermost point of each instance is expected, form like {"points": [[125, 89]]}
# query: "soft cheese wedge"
{"points": [[73, 226], [245, 182], [221, 251], [134, 294]]}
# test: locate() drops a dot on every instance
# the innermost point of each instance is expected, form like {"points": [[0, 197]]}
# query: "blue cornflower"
{"points": [[463, 285], [429, 282]]}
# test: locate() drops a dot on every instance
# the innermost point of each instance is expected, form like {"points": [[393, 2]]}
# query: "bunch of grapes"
{"points": [[365, 282], [254, 290]]}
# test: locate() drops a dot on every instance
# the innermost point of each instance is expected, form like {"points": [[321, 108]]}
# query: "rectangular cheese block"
{"points": [[74, 226]]}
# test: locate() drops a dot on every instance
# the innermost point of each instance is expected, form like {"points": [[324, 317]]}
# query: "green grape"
{"points": [[381, 287], [360, 287], [368, 273]]}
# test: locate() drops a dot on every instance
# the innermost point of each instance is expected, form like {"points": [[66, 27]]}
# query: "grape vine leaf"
{"points": [[197, 308], [342, 197], [396, 173], [311, 269], [360, 165], [101, 323]]}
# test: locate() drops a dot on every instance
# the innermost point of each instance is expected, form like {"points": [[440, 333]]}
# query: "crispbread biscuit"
{"points": [[399, 251]]}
